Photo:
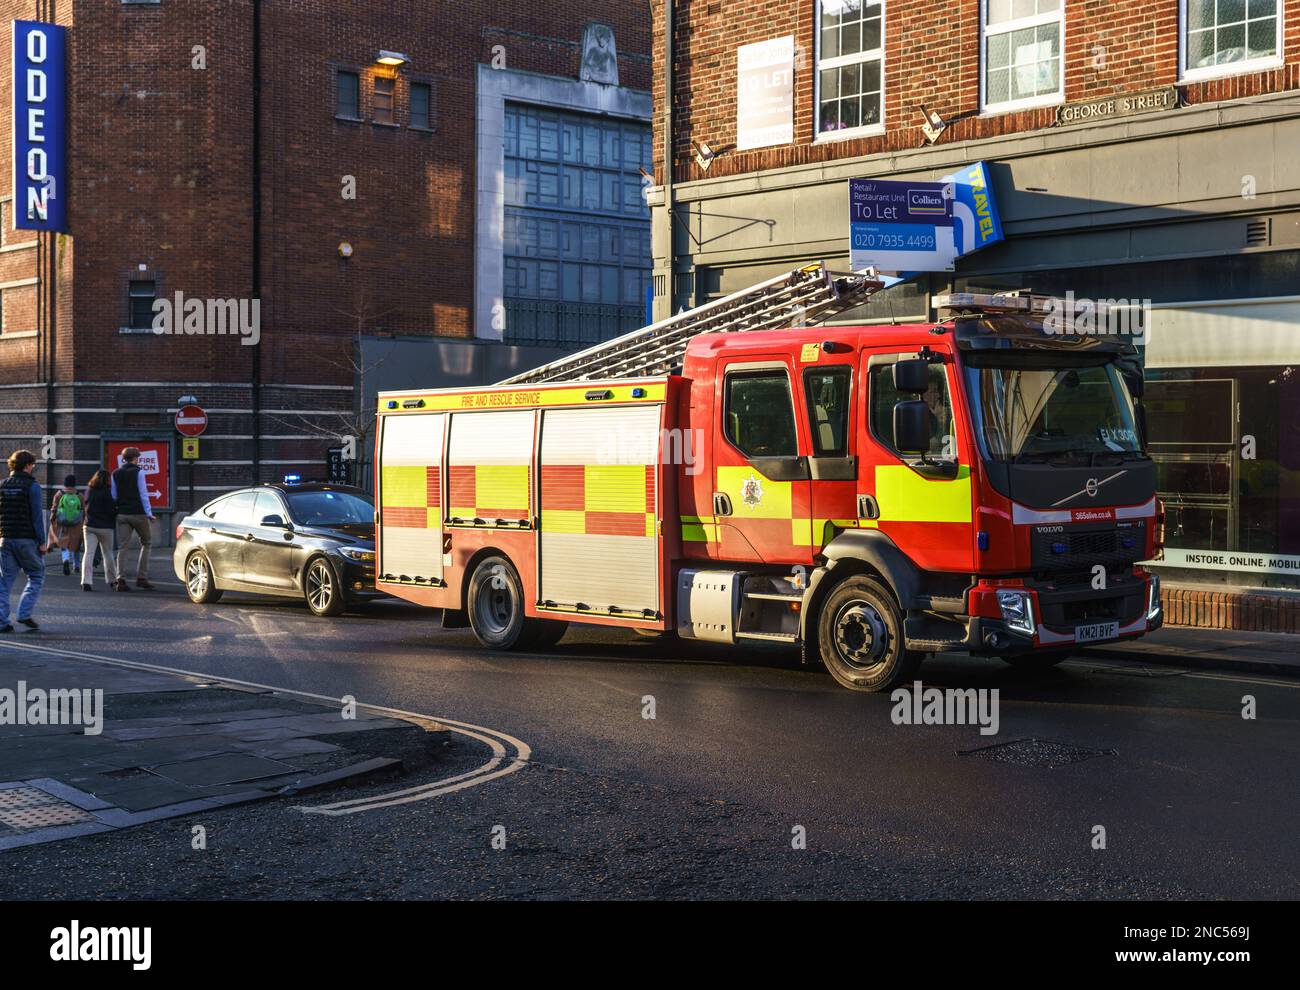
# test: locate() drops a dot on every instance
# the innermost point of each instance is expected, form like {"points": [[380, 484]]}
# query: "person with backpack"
{"points": [[101, 521], [22, 524], [134, 515], [67, 512]]}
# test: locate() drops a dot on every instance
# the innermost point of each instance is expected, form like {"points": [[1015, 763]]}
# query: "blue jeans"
{"points": [[15, 556]]}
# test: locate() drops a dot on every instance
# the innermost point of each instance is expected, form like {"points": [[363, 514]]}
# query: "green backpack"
{"points": [[69, 510]]}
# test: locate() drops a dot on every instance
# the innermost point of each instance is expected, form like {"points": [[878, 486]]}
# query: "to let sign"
{"points": [[40, 126], [765, 101], [191, 421], [901, 226]]}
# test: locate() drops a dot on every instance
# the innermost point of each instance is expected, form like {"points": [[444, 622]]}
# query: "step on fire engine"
{"points": [[868, 494]]}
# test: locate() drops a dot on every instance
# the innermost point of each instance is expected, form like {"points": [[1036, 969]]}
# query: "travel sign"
{"points": [[901, 226], [39, 121]]}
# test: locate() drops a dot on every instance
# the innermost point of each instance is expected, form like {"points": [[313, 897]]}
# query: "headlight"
{"points": [[1153, 599], [360, 556], [1017, 610]]}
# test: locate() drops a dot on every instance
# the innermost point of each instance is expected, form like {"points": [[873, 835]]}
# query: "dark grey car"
{"points": [[309, 541]]}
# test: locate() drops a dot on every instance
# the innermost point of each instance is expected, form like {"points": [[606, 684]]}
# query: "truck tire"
{"points": [[1038, 660], [495, 605], [860, 637]]}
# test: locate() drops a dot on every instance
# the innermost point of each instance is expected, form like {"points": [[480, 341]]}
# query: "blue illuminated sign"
{"points": [[40, 126]]}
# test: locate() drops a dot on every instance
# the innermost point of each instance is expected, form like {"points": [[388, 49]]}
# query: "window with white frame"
{"points": [[1022, 53], [850, 66], [1222, 36]]}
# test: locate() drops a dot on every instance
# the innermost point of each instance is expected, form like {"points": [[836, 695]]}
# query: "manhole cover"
{"points": [[25, 808], [1036, 753]]}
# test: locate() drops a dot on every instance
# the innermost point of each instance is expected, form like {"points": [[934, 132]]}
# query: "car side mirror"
{"points": [[912, 376], [913, 424], [274, 522]]}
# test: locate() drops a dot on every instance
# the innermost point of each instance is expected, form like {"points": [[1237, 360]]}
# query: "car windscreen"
{"points": [[330, 509]]}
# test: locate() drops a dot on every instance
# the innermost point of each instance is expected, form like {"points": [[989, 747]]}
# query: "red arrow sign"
{"points": [[191, 421]]}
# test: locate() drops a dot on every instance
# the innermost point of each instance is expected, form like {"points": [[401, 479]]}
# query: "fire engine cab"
{"points": [[870, 495]]}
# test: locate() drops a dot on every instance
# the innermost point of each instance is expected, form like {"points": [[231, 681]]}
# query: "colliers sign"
{"points": [[40, 122], [1118, 106]]}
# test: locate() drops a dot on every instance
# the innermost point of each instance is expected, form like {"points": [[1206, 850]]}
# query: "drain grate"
{"points": [[26, 808], [1036, 753]]}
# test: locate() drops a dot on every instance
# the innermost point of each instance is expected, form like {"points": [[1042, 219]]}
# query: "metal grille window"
{"points": [[383, 108], [347, 92], [577, 228], [1222, 36], [420, 101], [141, 299], [1022, 53], [850, 66]]}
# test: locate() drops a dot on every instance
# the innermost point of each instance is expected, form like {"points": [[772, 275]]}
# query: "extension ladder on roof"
{"points": [[798, 298]]}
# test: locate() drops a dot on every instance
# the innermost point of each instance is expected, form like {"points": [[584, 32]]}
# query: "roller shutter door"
{"points": [[599, 492], [489, 467], [410, 498]]}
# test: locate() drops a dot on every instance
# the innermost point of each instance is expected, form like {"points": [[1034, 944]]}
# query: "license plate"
{"points": [[1095, 632]]}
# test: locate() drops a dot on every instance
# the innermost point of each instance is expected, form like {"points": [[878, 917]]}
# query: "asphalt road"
{"points": [[746, 751]]}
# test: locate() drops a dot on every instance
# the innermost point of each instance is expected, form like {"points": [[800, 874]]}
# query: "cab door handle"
{"points": [[721, 504], [868, 507]]}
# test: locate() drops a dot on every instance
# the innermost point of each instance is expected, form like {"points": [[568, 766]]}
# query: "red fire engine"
{"points": [[868, 494]]}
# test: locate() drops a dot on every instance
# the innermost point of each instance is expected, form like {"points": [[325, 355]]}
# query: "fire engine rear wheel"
{"points": [[860, 637], [1038, 660], [496, 606]]}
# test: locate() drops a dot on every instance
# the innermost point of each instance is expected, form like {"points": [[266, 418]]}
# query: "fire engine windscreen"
{"points": [[1044, 414]]}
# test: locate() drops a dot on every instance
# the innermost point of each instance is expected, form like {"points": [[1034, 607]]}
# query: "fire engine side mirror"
{"points": [[912, 376], [913, 424]]}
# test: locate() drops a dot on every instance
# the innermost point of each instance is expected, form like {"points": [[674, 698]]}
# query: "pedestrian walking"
{"points": [[101, 521], [134, 515], [67, 515], [22, 524]]}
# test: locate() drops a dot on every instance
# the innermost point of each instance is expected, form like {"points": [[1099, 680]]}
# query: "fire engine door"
{"points": [[923, 503], [762, 487]]}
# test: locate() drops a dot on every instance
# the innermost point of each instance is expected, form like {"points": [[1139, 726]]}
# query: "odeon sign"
{"points": [[40, 126]]}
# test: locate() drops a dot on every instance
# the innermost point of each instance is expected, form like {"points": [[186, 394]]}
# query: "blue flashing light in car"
{"points": [[293, 479]]}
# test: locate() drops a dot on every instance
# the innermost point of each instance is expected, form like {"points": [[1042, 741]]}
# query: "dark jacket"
{"points": [[20, 509], [101, 510]]}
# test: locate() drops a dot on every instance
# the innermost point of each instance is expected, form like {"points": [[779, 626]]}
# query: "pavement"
{"points": [[139, 745]]}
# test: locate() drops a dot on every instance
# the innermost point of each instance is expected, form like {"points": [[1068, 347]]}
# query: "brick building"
{"points": [[1137, 150], [406, 189]]}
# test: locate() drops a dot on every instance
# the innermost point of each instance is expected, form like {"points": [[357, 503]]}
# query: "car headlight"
{"points": [[360, 556], [1153, 599], [1017, 610]]}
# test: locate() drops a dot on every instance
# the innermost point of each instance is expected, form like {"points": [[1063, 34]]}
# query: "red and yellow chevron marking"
{"points": [[490, 491], [412, 496], [599, 499]]}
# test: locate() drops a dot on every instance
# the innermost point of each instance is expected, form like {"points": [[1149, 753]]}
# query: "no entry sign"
{"points": [[191, 421]]}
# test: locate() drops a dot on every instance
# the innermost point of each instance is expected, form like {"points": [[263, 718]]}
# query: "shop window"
{"points": [[1022, 53], [421, 99], [141, 299], [760, 414], [1229, 36], [347, 86], [385, 88], [850, 67]]}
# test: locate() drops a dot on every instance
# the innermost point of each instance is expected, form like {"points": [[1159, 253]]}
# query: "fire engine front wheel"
{"points": [[860, 635]]}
